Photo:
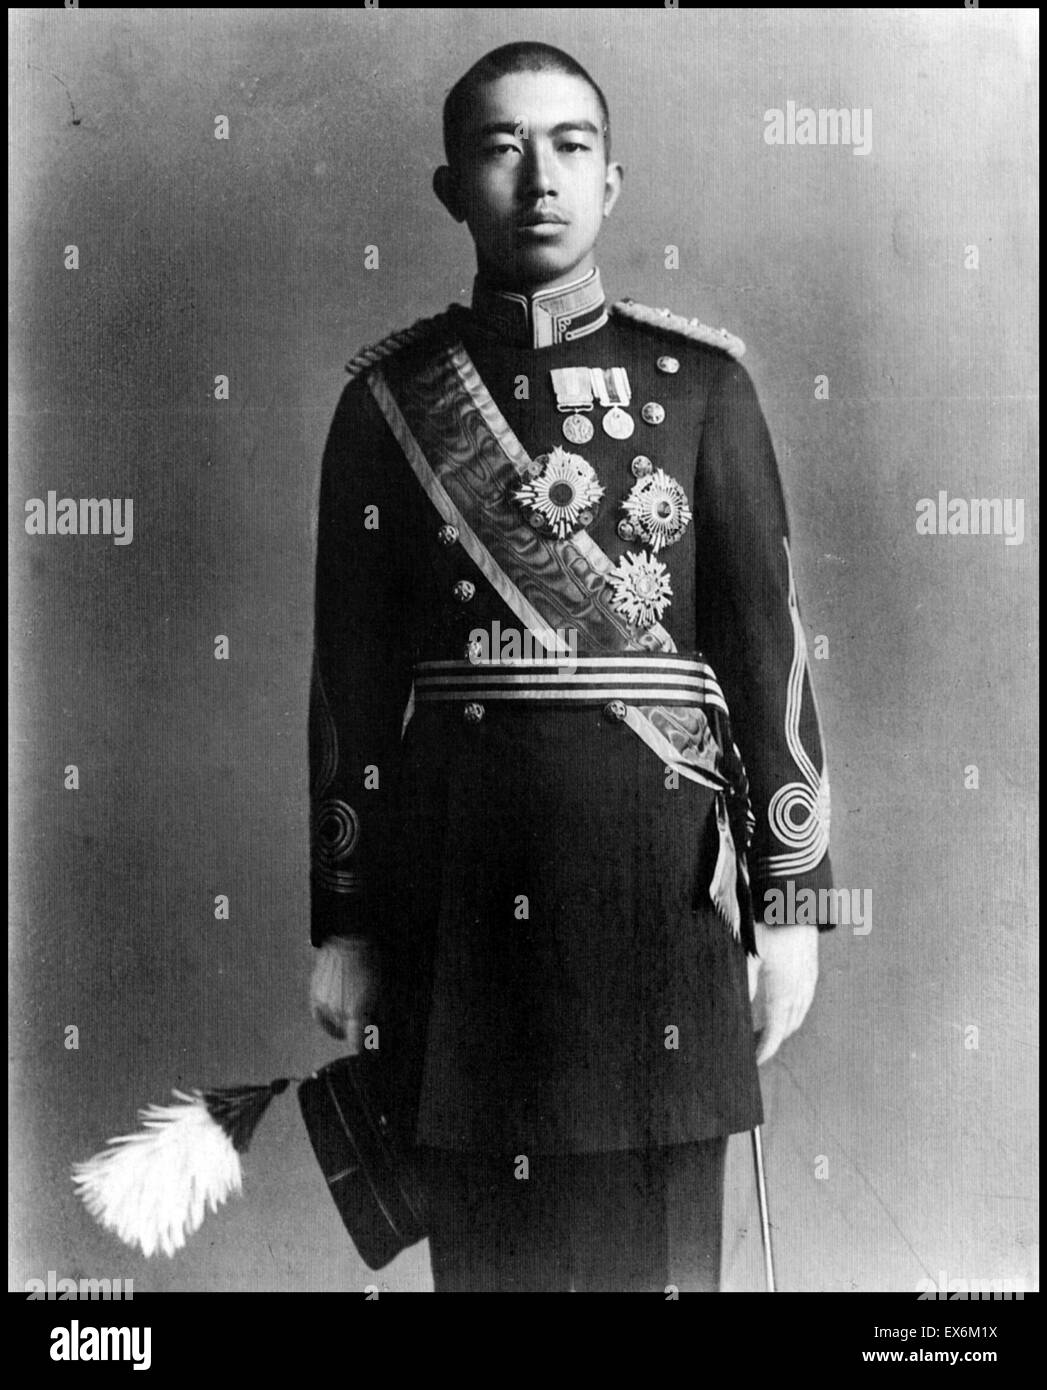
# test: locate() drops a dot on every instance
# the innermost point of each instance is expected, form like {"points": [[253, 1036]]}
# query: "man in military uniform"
{"points": [[563, 741]]}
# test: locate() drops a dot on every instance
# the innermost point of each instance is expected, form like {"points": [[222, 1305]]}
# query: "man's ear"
{"points": [[445, 186], [612, 187]]}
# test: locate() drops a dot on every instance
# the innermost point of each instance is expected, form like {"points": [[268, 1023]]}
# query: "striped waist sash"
{"points": [[673, 703], [639, 679]]}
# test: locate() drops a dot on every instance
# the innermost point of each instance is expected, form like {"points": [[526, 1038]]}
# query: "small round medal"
{"points": [[577, 429], [669, 365], [618, 423], [641, 466], [653, 413]]}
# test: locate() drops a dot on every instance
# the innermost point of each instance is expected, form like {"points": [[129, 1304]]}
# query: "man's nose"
{"points": [[539, 170]]}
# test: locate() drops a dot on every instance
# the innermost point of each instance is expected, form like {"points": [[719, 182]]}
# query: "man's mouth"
{"points": [[542, 219]]}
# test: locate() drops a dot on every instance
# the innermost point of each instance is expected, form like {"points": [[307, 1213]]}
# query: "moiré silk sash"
{"points": [[467, 459]]}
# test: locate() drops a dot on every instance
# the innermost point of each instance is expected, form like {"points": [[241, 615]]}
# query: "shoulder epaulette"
{"points": [[404, 337], [676, 323]]}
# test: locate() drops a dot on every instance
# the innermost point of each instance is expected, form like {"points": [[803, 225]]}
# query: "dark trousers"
{"points": [[639, 1221]]}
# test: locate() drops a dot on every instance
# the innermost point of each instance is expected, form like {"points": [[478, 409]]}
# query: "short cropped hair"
{"points": [[500, 62]]}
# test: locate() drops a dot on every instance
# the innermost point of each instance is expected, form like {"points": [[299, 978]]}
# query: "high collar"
{"points": [[546, 317]]}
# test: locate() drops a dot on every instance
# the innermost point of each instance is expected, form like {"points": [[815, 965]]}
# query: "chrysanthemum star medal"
{"points": [[561, 493]]}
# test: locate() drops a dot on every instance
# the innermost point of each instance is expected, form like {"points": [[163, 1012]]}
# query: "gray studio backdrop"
{"points": [[899, 1141]]}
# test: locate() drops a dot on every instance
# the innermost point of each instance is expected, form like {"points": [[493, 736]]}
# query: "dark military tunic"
{"points": [[555, 975]]}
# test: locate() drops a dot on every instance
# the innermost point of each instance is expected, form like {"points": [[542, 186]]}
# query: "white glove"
{"points": [[343, 988], [781, 983]]}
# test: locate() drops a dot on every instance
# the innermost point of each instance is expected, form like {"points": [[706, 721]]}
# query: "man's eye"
{"points": [[502, 149], [573, 145]]}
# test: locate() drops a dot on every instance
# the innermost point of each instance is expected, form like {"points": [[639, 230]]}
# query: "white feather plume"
{"points": [[152, 1188]]}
